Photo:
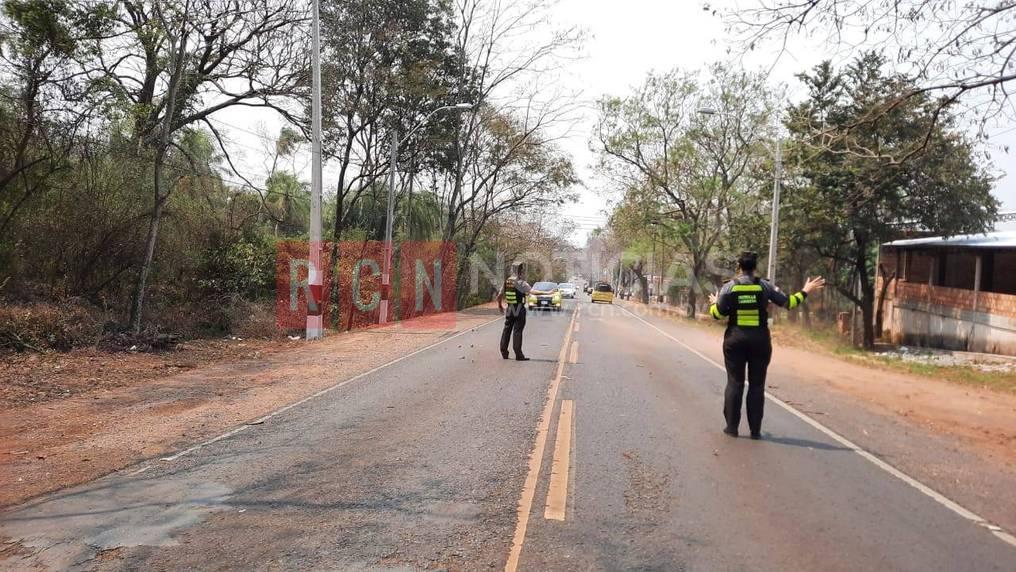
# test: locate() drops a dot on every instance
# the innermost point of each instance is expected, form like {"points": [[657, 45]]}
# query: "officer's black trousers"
{"points": [[514, 323], [751, 348]]}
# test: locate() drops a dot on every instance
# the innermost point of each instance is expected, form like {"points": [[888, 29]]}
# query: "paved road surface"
{"points": [[425, 464]]}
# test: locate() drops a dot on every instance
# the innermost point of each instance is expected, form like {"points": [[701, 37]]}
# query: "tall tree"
{"points": [[177, 63], [855, 201], [387, 63], [698, 170], [41, 100], [505, 155]]}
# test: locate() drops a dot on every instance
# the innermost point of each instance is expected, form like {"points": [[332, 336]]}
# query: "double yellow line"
{"points": [[558, 493]]}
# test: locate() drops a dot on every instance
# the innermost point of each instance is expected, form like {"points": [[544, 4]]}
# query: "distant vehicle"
{"points": [[567, 289], [603, 292], [545, 295]]}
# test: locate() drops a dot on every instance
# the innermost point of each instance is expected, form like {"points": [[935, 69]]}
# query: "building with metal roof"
{"points": [[955, 292]]}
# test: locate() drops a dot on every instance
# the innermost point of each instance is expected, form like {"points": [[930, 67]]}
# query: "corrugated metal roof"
{"points": [[1005, 239]]}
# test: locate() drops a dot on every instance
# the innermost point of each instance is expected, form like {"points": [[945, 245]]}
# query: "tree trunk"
{"points": [[138, 301], [867, 292], [165, 138], [868, 314], [887, 279], [696, 271]]}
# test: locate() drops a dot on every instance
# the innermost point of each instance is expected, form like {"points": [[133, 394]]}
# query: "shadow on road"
{"points": [[539, 360], [806, 443]]}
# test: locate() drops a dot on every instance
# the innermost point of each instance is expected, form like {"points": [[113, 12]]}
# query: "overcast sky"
{"points": [[625, 41]]}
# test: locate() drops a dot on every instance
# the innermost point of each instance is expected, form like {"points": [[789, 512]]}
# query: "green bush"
{"points": [[473, 299], [244, 267]]}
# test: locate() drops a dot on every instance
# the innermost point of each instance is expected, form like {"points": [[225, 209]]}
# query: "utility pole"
{"points": [[386, 270], [774, 223], [315, 323], [652, 277]]}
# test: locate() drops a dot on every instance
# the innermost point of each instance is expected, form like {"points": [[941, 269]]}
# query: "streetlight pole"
{"points": [[393, 163], [774, 220], [653, 292], [315, 323]]}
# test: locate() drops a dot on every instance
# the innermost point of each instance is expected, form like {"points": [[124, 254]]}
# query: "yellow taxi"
{"points": [[602, 292], [544, 295]]}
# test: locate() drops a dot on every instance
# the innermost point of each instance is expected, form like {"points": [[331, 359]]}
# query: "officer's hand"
{"points": [[500, 308], [713, 297], [813, 284]]}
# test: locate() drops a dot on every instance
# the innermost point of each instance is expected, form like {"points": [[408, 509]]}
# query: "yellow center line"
{"points": [[536, 459], [557, 495], [574, 352]]}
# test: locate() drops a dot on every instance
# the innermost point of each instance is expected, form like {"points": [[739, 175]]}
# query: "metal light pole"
{"points": [[653, 292], [774, 220], [393, 163], [315, 324]]}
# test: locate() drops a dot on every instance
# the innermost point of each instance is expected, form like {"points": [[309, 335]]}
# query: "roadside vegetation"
{"points": [[971, 369], [996, 376], [696, 153], [129, 215]]}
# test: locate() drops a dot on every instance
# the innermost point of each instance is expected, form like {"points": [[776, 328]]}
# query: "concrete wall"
{"points": [[951, 318]]}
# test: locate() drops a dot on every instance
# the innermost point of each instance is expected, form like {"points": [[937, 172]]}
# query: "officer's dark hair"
{"points": [[748, 261]]}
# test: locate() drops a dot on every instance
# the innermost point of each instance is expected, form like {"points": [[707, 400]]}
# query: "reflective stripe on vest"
{"points": [[747, 305], [510, 294]]}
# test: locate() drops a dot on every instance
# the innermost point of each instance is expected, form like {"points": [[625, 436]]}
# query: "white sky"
{"points": [[625, 41]]}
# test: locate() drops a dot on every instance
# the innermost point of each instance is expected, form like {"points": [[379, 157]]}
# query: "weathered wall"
{"points": [[951, 318]]}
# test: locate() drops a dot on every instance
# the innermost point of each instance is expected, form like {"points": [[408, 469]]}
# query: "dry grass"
{"points": [[47, 326], [827, 340]]}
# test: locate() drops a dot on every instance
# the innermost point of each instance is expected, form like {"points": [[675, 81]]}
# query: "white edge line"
{"points": [[935, 495], [319, 393]]}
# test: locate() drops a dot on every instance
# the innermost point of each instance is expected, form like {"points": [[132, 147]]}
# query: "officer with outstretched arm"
{"points": [[514, 292], [744, 301]]}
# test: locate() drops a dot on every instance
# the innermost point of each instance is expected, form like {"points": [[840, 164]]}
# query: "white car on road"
{"points": [[567, 289]]}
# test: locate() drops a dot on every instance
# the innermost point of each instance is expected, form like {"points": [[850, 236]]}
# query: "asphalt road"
{"points": [[426, 464]]}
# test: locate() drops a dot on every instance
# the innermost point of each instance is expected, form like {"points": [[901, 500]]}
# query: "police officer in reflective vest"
{"points": [[514, 292], [744, 301]]}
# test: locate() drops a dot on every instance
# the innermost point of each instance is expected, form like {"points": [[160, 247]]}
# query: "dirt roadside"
{"points": [[983, 418], [95, 414]]}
